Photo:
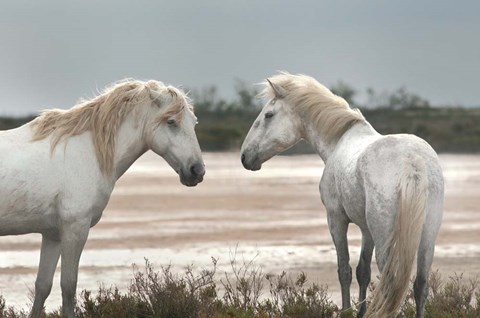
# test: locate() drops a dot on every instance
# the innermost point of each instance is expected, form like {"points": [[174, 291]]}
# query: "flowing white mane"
{"points": [[331, 113], [103, 115]]}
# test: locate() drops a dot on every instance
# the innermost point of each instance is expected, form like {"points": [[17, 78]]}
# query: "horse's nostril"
{"points": [[243, 158], [197, 170], [193, 171]]}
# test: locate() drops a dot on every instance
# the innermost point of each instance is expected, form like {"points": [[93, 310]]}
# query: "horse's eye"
{"points": [[171, 121], [268, 114]]}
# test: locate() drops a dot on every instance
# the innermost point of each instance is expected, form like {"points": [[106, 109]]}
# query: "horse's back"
{"points": [[381, 162], [381, 166], [19, 156]]}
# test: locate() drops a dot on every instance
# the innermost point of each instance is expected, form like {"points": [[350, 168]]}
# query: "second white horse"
{"points": [[390, 186]]}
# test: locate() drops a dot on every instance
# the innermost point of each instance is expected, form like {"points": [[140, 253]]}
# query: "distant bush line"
{"points": [[241, 294], [224, 124]]}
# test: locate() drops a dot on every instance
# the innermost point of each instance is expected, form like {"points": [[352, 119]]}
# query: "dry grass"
{"points": [[166, 294]]}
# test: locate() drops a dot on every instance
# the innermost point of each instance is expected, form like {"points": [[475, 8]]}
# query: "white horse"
{"points": [[58, 171], [390, 186]]}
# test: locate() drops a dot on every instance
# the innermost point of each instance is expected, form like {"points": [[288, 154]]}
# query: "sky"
{"points": [[55, 52]]}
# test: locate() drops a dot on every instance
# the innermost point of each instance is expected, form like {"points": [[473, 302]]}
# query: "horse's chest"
{"points": [[97, 209], [96, 218]]}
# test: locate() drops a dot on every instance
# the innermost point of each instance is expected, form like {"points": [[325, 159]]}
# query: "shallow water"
{"points": [[274, 216]]}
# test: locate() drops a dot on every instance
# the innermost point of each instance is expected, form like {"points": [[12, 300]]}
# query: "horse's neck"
{"points": [[129, 146], [323, 148], [355, 134]]}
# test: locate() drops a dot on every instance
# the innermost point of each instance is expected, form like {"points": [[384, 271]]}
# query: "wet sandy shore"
{"points": [[274, 215]]}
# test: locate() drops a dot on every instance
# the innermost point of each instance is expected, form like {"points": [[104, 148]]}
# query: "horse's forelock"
{"points": [[179, 102]]}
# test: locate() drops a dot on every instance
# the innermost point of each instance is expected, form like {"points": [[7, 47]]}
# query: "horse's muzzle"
{"points": [[194, 174], [250, 163]]}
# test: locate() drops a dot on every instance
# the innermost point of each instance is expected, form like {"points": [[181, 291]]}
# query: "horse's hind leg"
{"points": [[364, 270], [420, 287], [426, 249], [49, 255], [425, 253], [73, 240]]}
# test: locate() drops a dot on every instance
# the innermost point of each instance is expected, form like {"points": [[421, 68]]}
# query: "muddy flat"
{"points": [[274, 216]]}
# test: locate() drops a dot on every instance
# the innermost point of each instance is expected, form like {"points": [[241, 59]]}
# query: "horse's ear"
{"points": [[164, 96], [158, 98], [278, 91]]}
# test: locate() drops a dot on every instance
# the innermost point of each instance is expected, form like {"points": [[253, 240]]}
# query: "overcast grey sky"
{"points": [[54, 52]]}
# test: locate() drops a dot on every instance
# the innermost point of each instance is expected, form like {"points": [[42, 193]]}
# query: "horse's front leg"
{"points": [[364, 270], [73, 238], [338, 225], [48, 263]]}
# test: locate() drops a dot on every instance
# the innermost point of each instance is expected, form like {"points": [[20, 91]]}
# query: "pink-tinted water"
{"points": [[274, 215]]}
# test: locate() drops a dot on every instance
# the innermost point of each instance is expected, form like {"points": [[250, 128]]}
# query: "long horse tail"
{"points": [[402, 245]]}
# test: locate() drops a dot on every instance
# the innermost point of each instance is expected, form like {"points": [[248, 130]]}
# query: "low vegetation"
{"points": [[246, 292]]}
